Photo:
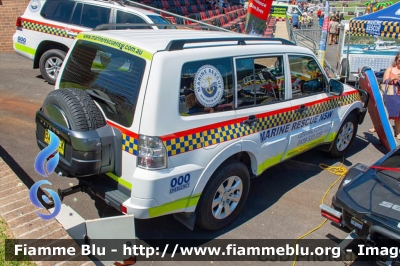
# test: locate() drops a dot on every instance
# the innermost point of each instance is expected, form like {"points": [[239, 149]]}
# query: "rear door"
{"points": [[313, 109], [86, 17], [262, 108]]}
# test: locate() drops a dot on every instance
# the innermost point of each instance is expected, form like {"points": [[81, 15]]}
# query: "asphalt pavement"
{"points": [[283, 202]]}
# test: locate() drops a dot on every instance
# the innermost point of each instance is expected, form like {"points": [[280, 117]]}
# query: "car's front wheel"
{"points": [[224, 196], [50, 64], [345, 136]]}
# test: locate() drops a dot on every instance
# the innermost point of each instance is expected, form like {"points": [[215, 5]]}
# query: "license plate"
{"points": [[60, 148], [357, 223]]}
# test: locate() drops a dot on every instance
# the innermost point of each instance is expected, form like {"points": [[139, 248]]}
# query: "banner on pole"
{"points": [[324, 36], [257, 15]]}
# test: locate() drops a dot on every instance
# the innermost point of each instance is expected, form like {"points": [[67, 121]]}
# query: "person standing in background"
{"points": [[295, 19], [333, 27], [321, 20], [392, 77]]}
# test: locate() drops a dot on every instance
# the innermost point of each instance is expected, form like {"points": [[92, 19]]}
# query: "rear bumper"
{"points": [[20, 47]]}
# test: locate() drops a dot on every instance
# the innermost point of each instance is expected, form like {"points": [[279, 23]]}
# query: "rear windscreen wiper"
{"points": [[97, 96]]}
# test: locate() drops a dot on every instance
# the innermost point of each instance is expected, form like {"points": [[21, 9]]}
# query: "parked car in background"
{"points": [[47, 29]]}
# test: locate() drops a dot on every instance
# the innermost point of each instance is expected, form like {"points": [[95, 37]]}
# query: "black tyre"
{"points": [[224, 196], [344, 69], [345, 137], [50, 64], [73, 109]]}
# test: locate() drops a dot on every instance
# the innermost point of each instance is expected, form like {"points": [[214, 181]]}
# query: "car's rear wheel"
{"points": [[224, 196], [73, 109], [50, 64], [345, 137]]}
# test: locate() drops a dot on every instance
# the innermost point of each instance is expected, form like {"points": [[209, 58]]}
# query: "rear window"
{"points": [[110, 76]]}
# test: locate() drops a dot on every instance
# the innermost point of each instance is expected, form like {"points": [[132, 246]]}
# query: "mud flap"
{"points": [[110, 232]]}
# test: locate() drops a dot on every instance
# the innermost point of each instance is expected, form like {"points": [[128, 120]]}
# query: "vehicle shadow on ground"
{"points": [[275, 182], [22, 175]]}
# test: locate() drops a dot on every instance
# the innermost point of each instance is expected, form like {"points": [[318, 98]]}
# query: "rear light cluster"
{"points": [[331, 214], [19, 23], [152, 153]]}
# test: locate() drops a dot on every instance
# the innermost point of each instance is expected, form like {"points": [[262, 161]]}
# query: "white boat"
{"points": [[380, 45]]}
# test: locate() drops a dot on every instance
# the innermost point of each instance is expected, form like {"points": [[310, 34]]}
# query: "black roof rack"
{"points": [[178, 44], [114, 26]]}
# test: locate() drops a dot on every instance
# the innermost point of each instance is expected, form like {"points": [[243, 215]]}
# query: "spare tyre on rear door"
{"points": [[88, 146]]}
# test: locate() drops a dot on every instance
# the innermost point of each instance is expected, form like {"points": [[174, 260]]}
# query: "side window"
{"points": [[76, 17], [58, 10], [206, 87], [307, 77], [93, 16], [260, 80], [123, 17]]}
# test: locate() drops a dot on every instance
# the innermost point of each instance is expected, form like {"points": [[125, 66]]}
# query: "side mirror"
{"points": [[336, 88]]}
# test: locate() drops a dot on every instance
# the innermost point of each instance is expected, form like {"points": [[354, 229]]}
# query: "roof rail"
{"points": [[178, 44], [114, 26]]}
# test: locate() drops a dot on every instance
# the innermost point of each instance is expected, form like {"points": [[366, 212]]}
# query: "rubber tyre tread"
{"points": [[79, 108], [43, 59], [204, 216], [334, 152]]}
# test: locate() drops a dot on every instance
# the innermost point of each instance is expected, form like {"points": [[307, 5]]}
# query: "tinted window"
{"points": [[76, 17], [93, 16], [307, 77], [123, 17], [112, 75], [260, 80], [206, 87], [58, 10], [160, 20]]}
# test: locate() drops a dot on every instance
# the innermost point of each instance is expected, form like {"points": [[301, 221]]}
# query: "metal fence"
{"points": [[309, 37]]}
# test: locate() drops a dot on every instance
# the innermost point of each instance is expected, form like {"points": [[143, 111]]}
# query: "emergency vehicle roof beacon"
{"points": [[141, 149]]}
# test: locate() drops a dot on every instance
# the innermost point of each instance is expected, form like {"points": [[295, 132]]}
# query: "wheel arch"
{"points": [[231, 153], [45, 46]]}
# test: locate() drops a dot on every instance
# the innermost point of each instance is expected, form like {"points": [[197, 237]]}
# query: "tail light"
{"points": [[331, 214], [19, 23], [123, 209], [152, 153]]}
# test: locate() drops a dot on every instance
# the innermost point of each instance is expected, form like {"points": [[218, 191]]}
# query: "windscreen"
{"points": [[389, 170], [110, 76]]}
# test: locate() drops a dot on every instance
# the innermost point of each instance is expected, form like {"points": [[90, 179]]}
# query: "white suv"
{"points": [[178, 121], [47, 29]]}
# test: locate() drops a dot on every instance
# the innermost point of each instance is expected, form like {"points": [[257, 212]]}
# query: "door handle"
{"points": [[72, 33], [252, 119]]}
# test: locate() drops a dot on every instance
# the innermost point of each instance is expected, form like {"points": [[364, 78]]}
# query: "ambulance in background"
{"points": [[279, 11]]}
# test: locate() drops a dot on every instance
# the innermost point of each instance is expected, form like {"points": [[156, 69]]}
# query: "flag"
{"points": [[257, 15], [324, 35]]}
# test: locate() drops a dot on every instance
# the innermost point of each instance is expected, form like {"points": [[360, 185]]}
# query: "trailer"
{"points": [[350, 61]]}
